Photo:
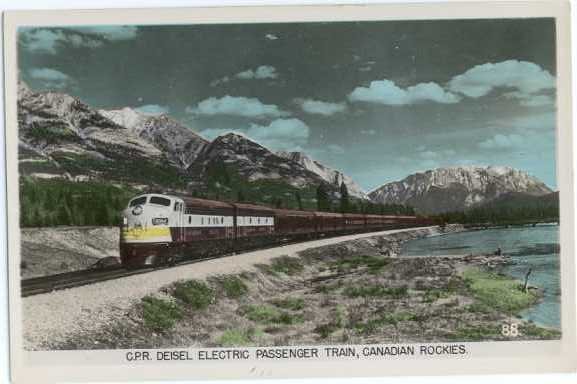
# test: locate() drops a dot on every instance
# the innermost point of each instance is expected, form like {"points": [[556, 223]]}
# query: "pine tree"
{"points": [[345, 205], [299, 200], [323, 202]]}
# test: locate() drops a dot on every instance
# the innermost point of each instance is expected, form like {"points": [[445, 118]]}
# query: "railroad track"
{"points": [[47, 284]]}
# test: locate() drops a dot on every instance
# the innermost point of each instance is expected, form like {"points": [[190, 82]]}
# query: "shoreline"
{"points": [[352, 292]]}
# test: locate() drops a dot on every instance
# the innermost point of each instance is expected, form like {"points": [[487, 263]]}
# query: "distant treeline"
{"points": [[518, 209], [46, 203]]}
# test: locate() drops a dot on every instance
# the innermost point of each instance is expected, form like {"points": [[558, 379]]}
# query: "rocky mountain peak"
{"points": [[252, 161], [331, 176], [457, 188], [179, 143]]}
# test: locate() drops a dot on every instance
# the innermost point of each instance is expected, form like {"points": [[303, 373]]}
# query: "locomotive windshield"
{"points": [[138, 201], [159, 201]]}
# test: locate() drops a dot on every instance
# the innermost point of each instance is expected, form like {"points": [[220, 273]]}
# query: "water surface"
{"points": [[529, 247]]}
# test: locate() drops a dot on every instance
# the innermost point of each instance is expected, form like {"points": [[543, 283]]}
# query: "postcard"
{"points": [[285, 192]]}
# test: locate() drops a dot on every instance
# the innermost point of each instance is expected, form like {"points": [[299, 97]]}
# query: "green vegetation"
{"points": [[51, 134], [231, 286], [124, 170], [292, 303], [159, 314], [539, 332], [327, 288], [432, 295], [375, 290], [372, 325], [283, 264], [223, 182], [266, 314], [238, 337], [45, 203], [197, 294], [499, 292], [373, 263], [508, 210], [337, 322], [475, 333]]}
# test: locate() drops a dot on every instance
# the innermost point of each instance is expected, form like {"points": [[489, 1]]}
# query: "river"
{"points": [[529, 247]]}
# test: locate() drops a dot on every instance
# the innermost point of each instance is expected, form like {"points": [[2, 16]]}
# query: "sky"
{"points": [[376, 100]]}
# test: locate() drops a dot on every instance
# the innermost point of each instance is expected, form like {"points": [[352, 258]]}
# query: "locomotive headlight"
{"points": [[137, 210], [124, 220]]}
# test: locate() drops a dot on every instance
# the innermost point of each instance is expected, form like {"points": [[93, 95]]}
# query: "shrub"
{"points": [[375, 290], [197, 294], [234, 338], [394, 319], [286, 265], [232, 286], [498, 292], [372, 263], [159, 314], [476, 333], [295, 304], [265, 314]]}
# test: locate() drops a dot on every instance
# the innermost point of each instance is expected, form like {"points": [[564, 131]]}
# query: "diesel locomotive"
{"points": [[159, 229]]}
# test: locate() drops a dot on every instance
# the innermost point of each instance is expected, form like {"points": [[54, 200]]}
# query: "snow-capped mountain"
{"points": [[330, 175], [457, 188], [251, 161], [179, 143]]}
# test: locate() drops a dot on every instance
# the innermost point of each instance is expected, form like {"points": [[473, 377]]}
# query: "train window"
{"points": [[138, 201], [250, 220], [202, 221], [159, 201], [222, 220], [189, 219]]}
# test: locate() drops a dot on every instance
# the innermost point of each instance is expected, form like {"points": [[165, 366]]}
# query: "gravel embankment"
{"points": [[51, 318], [47, 251]]}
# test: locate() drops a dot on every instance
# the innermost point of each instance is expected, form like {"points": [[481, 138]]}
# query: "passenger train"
{"points": [[160, 229]]}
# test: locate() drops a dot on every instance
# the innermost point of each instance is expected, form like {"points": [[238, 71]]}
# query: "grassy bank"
{"points": [[344, 293]]}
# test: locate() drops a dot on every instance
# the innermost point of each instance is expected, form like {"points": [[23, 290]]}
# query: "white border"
{"points": [[435, 11]]}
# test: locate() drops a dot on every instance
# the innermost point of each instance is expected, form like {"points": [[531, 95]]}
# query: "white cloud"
{"points": [[320, 107], [280, 134], [153, 109], [523, 76], [538, 101], [236, 106], [428, 155], [216, 82], [48, 40], [335, 149], [110, 32], [51, 78], [260, 73], [529, 100], [388, 93], [502, 141], [270, 36]]}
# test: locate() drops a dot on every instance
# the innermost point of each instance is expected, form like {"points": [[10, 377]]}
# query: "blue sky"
{"points": [[377, 100]]}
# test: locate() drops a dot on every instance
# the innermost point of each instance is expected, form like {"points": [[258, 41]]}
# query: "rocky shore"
{"points": [[358, 291]]}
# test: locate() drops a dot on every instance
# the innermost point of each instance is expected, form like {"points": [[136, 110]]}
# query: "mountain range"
{"points": [[60, 137], [458, 188]]}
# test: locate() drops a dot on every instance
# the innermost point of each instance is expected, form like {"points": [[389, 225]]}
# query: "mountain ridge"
{"points": [[457, 188]]}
